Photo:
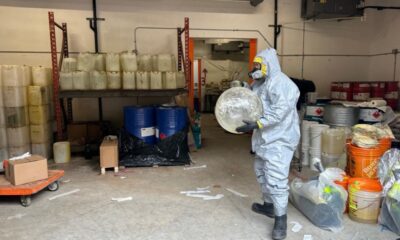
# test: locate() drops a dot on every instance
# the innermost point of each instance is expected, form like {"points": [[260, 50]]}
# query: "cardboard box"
{"points": [[27, 170], [109, 153]]}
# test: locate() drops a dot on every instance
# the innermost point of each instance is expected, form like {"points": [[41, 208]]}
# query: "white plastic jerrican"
{"points": [[129, 80], [180, 80], [142, 80], [154, 63], [81, 80], [170, 80], [156, 80], [86, 62], [18, 151], [38, 95], [16, 117], [12, 76], [165, 62], [40, 133], [128, 62], [114, 80], [42, 149], [145, 63], [99, 62], [112, 62], [66, 81], [41, 76], [62, 152], [18, 137], [27, 76], [15, 96], [69, 65], [98, 80], [39, 114], [3, 138]]}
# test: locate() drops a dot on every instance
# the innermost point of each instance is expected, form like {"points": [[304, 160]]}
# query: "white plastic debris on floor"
{"points": [[122, 199], [236, 193], [202, 193], [64, 194], [195, 167]]}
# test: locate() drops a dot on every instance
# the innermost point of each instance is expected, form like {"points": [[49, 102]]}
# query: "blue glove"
{"points": [[248, 127]]}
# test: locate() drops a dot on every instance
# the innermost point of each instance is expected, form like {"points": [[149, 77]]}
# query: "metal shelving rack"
{"points": [[60, 96]]}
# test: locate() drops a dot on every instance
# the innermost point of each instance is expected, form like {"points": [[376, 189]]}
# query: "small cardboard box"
{"points": [[29, 169], [109, 153]]}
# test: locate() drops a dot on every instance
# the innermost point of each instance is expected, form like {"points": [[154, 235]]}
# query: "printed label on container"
{"points": [[157, 133], [147, 132], [346, 85], [343, 96], [371, 115], [392, 95], [315, 111], [361, 96], [335, 95]]}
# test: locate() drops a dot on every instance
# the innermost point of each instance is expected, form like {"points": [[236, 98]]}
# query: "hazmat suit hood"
{"points": [[270, 58]]}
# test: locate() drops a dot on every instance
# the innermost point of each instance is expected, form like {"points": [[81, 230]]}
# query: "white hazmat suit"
{"points": [[275, 143]]}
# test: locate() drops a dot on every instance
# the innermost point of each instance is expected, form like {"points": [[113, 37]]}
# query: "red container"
{"points": [[392, 94], [377, 90], [361, 91], [393, 103], [336, 90], [347, 91], [391, 87]]}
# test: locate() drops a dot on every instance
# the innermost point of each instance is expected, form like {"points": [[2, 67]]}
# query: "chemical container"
{"points": [[66, 81], [361, 92], [170, 80], [18, 151], [346, 92], [40, 133], [335, 90], [27, 76], [81, 80], [38, 95], [166, 63], [140, 122], [98, 80], [18, 137], [156, 80], [129, 80], [42, 149], [41, 76], [170, 120], [86, 62], [39, 114], [16, 117], [128, 62], [314, 113], [69, 65], [12, 76], [378, 90], [180, 80], [333, 142], [99, 62], [341, 116], [62, 152], [370, 115], [142, 80], [3, 138], [145, 63], [15, 96], [112, 62], [364, 199], [154, 63], [114, 80], [392, 94]]}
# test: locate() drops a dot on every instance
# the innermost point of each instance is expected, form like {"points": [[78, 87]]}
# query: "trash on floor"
{"points": [[236, 193], [200, 193], [64, 194], [195, 167], [122, 199], [66, 181], [17, 216], [307, 237], [296, 226]]}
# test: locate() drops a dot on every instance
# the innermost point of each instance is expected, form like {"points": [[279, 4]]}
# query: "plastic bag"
{"points": [[171, 151], [321, 201], [389, 216], [389, 162]]}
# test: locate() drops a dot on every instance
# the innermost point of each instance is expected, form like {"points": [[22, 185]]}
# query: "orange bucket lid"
{"points": [[366, 184]]}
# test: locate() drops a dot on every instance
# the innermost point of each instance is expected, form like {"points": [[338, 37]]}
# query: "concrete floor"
{"points": [[158, 210]]}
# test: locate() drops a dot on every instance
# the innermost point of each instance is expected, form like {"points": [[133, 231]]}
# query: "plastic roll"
{"points": [[38, 95], [170, 80], [42, 149], [18, 151], [378, 103], [16, 117], [81, 80], [156, 80], [12, 76], [3, 138], [66, 81], [39, 114], [15, 96], [142, 80], [40, 133], [18, 137], [98, 80], [128, 62], [129, 80], [99, 62], [41, 76], [69, 65], [114, 80], [27, 76], [112, 62], [86, 62]]}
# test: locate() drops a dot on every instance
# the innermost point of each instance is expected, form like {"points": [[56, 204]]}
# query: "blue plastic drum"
{"points": [[141, 122], [170, 120]]}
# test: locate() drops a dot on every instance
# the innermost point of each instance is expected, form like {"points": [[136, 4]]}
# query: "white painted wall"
{"points": [[24, 26]]}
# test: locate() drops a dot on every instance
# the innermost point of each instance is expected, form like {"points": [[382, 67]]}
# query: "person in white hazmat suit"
{"points": [[275, 137]]}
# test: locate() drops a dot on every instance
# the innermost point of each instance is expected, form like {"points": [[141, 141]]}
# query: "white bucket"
{"points": [[364, 206], [305, 132], [305, 156]]}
